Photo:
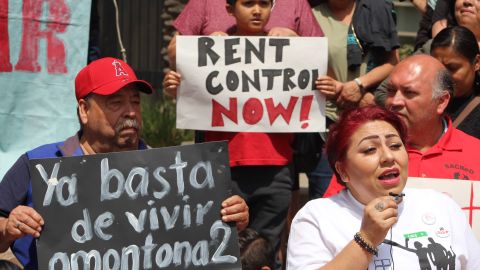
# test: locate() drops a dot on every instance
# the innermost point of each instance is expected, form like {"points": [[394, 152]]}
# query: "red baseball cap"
{"points": [[106, 76]]}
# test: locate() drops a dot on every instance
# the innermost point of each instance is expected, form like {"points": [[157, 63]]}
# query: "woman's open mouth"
{"points": [[390, 177]]}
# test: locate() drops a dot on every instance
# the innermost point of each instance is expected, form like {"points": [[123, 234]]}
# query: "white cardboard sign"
{"points": [[251, 84]]}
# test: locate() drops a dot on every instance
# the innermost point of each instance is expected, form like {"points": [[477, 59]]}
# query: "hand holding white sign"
{"points": [[171, 81]]}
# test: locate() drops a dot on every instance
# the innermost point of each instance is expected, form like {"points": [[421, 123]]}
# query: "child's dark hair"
{"points": [[232, 2], [255, 250], [8, 265]]}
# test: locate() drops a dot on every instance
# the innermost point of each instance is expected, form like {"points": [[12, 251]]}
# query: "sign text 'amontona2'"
{"points": [[152, 209]]}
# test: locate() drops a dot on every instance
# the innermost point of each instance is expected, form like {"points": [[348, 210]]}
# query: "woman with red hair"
{"points": [[376, 222]]}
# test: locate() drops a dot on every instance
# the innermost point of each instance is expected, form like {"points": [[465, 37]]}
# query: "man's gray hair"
{"points": [[443, 83]]}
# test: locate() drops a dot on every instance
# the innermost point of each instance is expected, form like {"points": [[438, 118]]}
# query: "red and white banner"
{"points": [[43, 44]]}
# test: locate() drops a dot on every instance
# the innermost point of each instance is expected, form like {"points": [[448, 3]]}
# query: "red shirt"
{"points": [[455, 156], [255, 148]]}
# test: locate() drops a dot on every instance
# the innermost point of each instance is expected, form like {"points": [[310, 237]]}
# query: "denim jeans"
{"points": [[319, 178]]}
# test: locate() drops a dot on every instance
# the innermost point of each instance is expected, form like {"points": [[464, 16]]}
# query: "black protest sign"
{"points": [[151, 209]]}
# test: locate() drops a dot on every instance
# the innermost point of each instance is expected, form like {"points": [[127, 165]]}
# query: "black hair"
{"points": [[450, 16], [314, 3], [255, 250], [8, 265], [232, 2], [460, 38]]}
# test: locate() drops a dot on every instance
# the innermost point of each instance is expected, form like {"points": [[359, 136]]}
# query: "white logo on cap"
{"points": [[119, 69]]}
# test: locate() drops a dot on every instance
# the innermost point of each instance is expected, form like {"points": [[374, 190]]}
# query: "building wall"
{"points": [[146, 28], [408, 19]]}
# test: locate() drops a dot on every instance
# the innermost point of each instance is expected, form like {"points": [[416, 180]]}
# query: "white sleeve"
{"points": [[463, 234], [473, 248], [306, 247]]}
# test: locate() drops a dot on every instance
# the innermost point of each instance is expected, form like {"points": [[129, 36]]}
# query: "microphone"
{"points": [[390, 242], [397, 197]]}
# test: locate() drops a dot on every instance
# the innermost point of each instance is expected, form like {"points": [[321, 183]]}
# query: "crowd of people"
{"points": [[388, 119]]}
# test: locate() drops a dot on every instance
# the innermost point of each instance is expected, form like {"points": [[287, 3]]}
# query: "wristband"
{"points": [[360, 85], [363, 244]]}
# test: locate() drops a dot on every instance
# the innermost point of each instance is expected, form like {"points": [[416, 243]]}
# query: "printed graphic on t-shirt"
{"points": [[431, 254], [382, 264]]}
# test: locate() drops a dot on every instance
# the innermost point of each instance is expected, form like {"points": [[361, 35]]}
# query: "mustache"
{"points": [[127, 123]]}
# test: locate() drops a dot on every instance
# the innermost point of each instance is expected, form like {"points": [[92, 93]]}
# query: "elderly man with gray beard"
{"points": [[108, 96]]}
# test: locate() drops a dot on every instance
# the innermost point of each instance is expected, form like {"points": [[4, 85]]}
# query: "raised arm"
{"points": [[172, 52], [351, 92], [421, 5], [378, 217]]}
